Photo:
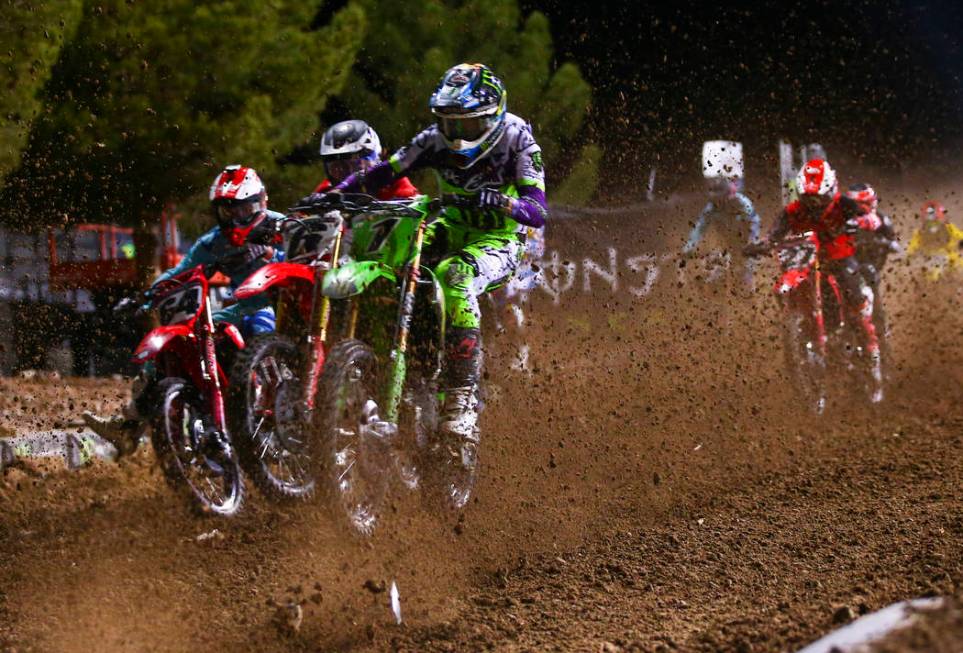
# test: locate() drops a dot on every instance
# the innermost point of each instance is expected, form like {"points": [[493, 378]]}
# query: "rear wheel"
{"points": [[274, 433], [355, 443], [193, 454]]}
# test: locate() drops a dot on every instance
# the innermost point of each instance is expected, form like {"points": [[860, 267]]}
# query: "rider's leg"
{"points": [[124, 430], [464, 277], [859, 299], [251, 318], [259, 322]]}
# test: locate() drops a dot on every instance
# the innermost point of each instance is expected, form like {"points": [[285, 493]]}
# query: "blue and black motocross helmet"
{"points": [[469, 106]]}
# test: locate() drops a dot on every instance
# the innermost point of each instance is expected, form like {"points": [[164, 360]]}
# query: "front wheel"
{"points": [[806, 365], [273, 428], [355, 442], [193, 453]]}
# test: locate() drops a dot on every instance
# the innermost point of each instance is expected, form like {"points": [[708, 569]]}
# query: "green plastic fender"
{"points": [[352, 278]]}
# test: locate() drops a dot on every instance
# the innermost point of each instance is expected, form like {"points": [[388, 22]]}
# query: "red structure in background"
{"points": [[107, 265]]}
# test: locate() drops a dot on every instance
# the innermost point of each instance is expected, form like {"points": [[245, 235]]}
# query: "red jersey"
{"points": [[400, 189], [828, 225]]}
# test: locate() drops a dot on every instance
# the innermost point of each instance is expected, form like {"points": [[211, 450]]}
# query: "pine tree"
{"points": [[150, 100], [32, 34], [410, 45]]}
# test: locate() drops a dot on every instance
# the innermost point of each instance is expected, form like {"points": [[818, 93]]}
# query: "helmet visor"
{"points": [[812, 202], [238, 213], [456, 128], [340, 169]]}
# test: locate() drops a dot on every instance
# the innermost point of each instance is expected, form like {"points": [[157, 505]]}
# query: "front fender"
{"points": [[157, 340], [352, 278], [280, 275]]}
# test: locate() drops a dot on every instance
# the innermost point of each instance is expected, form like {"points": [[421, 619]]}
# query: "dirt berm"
{"points": [[652, 485]]}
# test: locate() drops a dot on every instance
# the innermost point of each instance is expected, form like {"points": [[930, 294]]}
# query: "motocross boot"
{"points": [[875, 382], [124, 431], [459, 415], [876, 378], [118, 430]]}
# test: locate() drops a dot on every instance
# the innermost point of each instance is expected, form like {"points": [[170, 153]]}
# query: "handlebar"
{"points": [[764, 247], [309, 222], [355, 203]]}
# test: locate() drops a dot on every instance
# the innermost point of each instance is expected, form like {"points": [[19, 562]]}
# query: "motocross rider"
{"points": [[877, 237], [239, 203], [937, 238], [489, 156], [353, 146], [835, 219], [730, 207], [876, 240]]}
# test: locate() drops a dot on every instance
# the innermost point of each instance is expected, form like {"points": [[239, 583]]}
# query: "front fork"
{"points": [[406, 309], [209, 372], [819, 318], [318, 334]]}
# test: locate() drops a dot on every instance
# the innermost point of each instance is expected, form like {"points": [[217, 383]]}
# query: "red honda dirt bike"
{"points": [[276, 377], [819, 339], [190, 432]]}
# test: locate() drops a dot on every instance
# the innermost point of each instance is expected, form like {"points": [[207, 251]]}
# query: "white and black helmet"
{"points": [[349, 147], [350, 139]]}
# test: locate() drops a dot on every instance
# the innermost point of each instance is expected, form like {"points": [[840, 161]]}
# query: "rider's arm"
{"points": [[369, 181], [200, 253], [956, 235], [886, 228], [886, 234], [915, 242], [779, 228], [748, 210], [695, 236], [530, 207], [411, 157]]}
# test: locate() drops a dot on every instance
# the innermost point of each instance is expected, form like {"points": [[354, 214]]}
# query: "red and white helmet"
{"points": [[817, 178], [236, 184], [933, 211], [865, 196], [238, 200]]}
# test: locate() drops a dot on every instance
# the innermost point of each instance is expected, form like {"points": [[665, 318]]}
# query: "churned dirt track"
{"points": [[642, 417]]}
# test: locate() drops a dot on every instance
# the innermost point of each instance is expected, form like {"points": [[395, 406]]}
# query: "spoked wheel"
{"points": [[864, 368], [806, 365], [192, 453], [274, 433], [356, 443]]}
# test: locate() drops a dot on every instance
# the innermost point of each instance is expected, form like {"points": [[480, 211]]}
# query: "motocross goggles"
{"points": [[238, 213], [465, 127], [813, 203], [339, 169]]}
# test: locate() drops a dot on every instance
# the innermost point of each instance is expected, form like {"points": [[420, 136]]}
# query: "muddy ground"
{"points": [[653, 485]]}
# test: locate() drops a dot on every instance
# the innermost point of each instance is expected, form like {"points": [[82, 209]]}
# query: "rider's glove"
{"points": [[247, 255], [492, 200], [851, 227], [129, 303], [308, 200]]}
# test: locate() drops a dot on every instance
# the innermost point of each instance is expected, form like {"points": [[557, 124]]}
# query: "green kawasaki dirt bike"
{"points": [[379, 397]]}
